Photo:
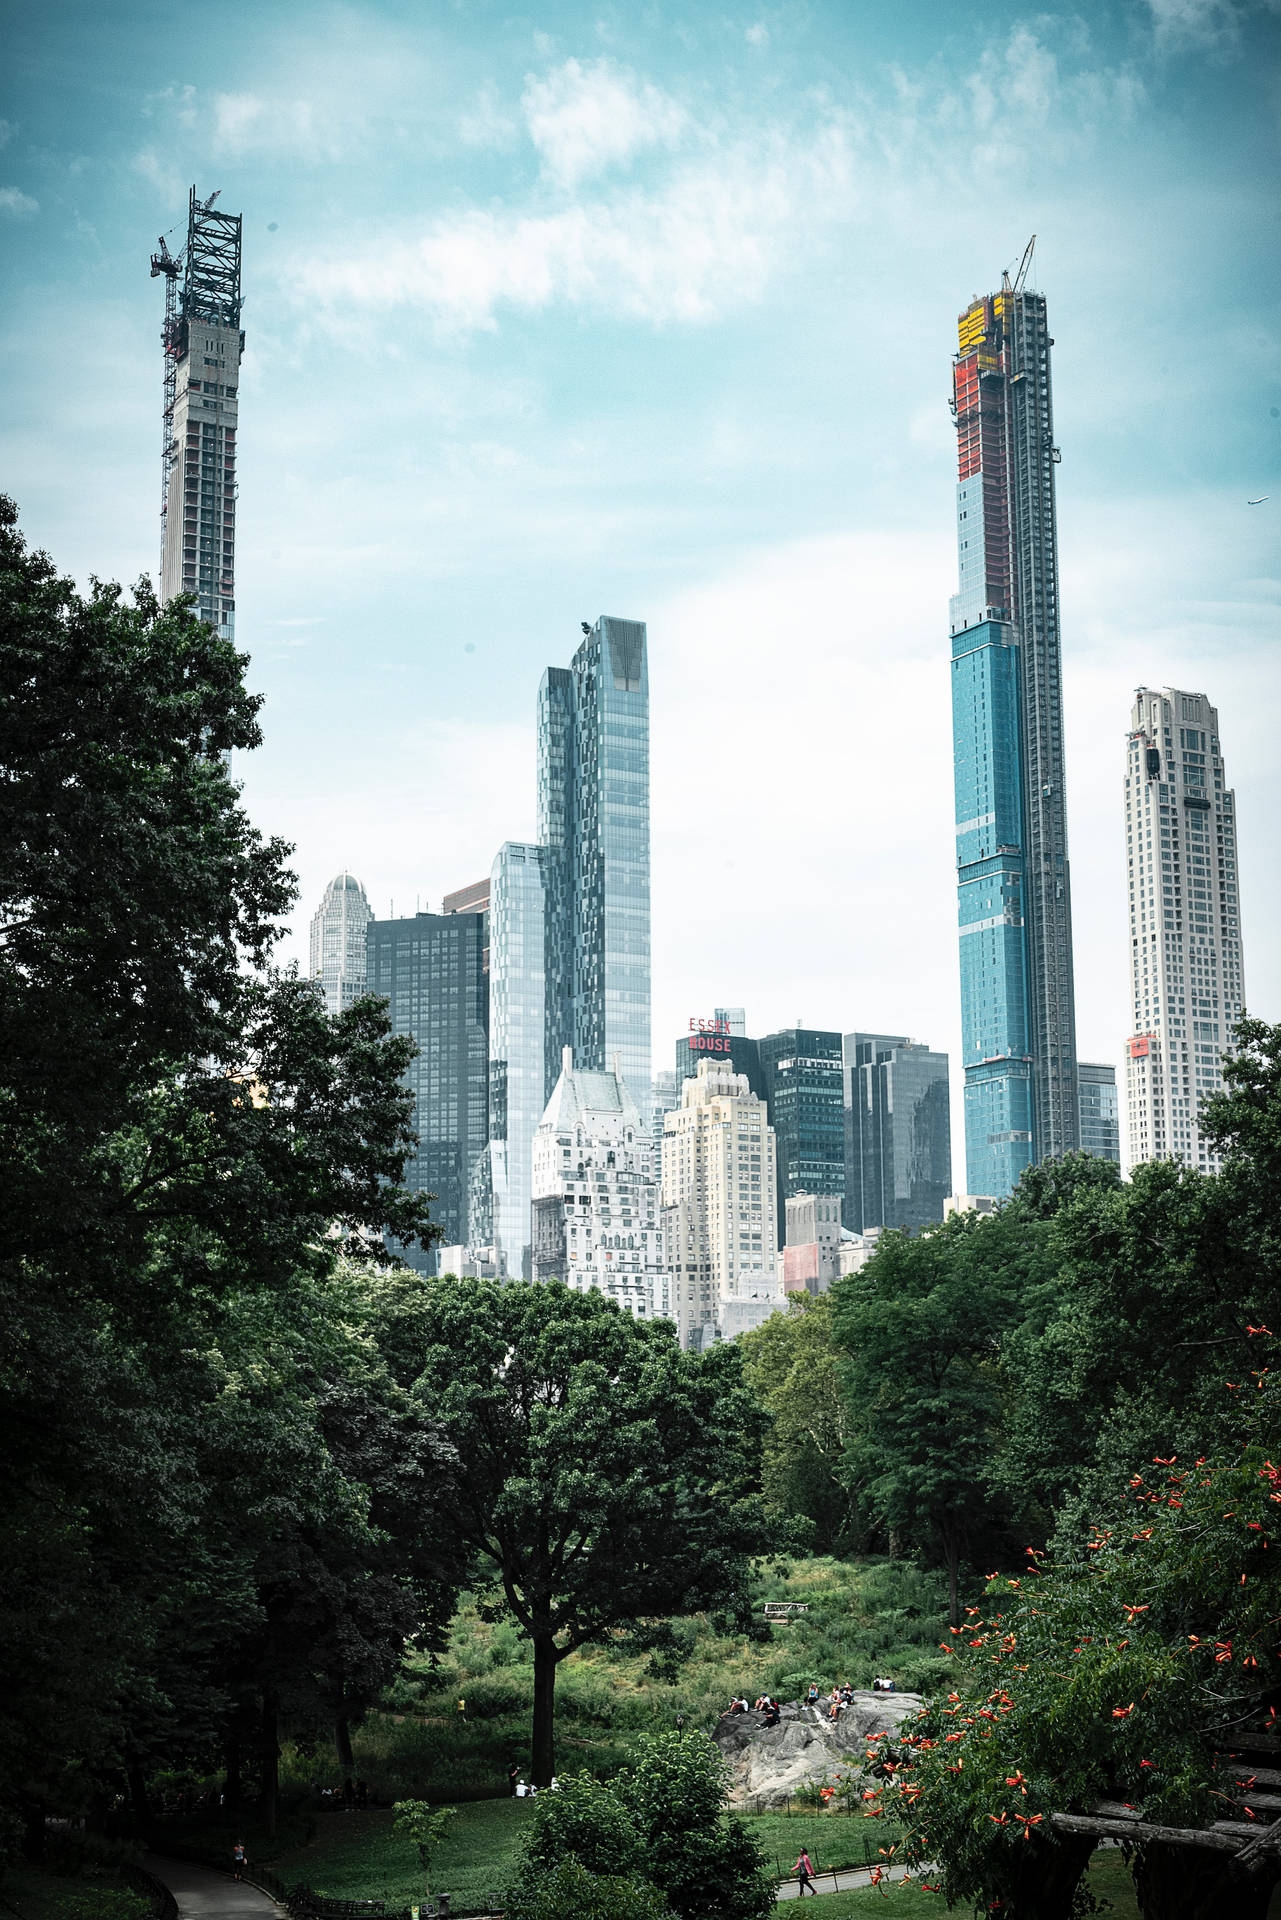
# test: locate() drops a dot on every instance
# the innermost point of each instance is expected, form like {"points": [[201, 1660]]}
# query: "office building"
{"points": [[338, 941], [203, 345], [593, 823], [812, 1242], [595, 1193], [1187, 984], [500, 1211], [898, 1132], [1100, 1111], [719, 1209], [1018, 1018], [429, 969], [801, 1069], [722, 1039]]}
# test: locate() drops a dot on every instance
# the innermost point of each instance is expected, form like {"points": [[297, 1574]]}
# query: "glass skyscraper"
{"points": [[1100, 1111], [1018, 1017], [517, 1019], [593, 824], [430, 970], [338, 942], [898, 1133], [801, 1067]]}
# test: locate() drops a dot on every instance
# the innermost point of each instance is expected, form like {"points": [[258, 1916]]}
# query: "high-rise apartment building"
{"points": [[1018, 1017], [430, 970], [596, 1194], [338, 929], [1186, 965], [593, 822], [1100, 1111], [517, 1015], [719, 1208], [812, 1236], [898, 1132], [203, 346], [801, 1068]]}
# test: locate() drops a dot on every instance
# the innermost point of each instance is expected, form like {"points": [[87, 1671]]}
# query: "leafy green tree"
{"points": [[662, 1820], [1118, 1669], [426, 1826], [792, 1365], [606, 1477], [568, 1887]]}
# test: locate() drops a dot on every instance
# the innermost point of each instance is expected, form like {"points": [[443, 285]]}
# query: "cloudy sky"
{"points": [[648, 309]]}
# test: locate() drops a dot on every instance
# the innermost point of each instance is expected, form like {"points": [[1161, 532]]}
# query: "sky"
{"points": [[648, 310]]}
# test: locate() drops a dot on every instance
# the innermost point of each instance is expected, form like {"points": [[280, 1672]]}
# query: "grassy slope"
{"points": [[865, 1618]]}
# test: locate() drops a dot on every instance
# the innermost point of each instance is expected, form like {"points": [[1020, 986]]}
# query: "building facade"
{"points": [[338, 942], [1018, 1015], [429, 969], [898, 1132], [517, 1016], [720, 1217], [1187, 985], [801, 1069], [593, 823], [595, 1193], [1100, 1111], [812, 1242], [203, 347], [714, 1040]]}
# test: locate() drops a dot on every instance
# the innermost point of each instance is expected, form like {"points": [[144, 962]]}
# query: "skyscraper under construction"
{"points": [[1014, 897], [203, 344]]}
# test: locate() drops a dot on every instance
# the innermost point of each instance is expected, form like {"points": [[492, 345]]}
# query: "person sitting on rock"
{"points": [[835, 1708], [772, 1714], [811, 1698], [847, 1693], [737, 1706]]}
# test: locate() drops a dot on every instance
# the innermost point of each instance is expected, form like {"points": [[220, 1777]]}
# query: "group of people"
{"points": [[521, 1789], [352, 1793], [766, 1704]]}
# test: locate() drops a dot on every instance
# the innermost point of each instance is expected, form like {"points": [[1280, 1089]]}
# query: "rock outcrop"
{"points": [[768, 1765]]}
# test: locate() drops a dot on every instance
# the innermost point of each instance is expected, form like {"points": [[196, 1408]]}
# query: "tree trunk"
{"points": [[342, 1741], [1185, 1883], [270, 1761], [138, 1794], [544, 1756], [231, 1787]]}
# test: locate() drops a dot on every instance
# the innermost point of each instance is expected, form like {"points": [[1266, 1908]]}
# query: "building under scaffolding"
{"points": [[203, 345]]}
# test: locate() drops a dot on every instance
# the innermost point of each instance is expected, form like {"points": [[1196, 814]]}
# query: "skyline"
{"points": [[440, 476]]}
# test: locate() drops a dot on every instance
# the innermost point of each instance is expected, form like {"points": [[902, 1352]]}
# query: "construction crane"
{"points": [[171, 266], [1024, 264]]}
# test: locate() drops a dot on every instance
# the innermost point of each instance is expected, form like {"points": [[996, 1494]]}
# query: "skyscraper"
{"points": [[596, 1194], [898, 1132], [1100, 1111], [801, 1067], [517, 1015], [430, 970], [1014, 896], [203, 344], [593, 822], [1186, 966], [338, 929], [719, 1206]]}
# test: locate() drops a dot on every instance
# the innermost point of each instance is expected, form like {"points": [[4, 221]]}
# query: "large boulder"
{"points": [[768, 1765]]}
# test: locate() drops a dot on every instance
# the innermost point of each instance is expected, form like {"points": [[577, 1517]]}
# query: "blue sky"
{"points": [[648, 310]]}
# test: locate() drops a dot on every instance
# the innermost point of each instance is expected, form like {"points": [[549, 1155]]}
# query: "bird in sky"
{"points": [[1259, 502]]}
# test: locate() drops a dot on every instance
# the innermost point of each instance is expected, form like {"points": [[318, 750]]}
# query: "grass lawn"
{"points": [[33, 1895], [1109, 1882], [359, 1856]]}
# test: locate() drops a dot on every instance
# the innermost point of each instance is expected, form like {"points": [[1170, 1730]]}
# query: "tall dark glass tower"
{"points": [[431, 971], [1015, 909], [898, 1133], [593, 823], [801, 1067]]}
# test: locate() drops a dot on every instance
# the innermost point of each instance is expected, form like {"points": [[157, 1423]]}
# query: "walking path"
{"points": [[828, 1882], [203, 1894]]}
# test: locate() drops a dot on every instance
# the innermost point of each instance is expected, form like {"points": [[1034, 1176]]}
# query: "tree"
{"points": [[426, 1826], [605, 1477], [792, 1365], [1120, 1668], [662, 1820], [568, 1887]]}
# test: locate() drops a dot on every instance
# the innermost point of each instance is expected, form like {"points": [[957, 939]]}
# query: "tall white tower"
{"points": [[338, 943], [1186, 980]]}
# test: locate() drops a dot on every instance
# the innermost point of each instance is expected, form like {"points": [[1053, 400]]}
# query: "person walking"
{"points": [[239, 1860], [805, 1874]]}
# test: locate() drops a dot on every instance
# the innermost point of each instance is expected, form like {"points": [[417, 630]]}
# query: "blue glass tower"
{"points": [[593, 823], [1018, 1021]]}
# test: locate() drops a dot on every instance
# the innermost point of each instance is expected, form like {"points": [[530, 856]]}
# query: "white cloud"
{"points": [[485, 124], [587, 116], [19, 204], [705, 241], [1183, 24], [757, 35], [249, 123]]}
